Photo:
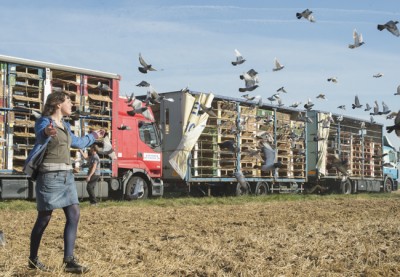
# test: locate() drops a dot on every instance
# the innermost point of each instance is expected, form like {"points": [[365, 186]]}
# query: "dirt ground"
{"points": [[327, 237]]}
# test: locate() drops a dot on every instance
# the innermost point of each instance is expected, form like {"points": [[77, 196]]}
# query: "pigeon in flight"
{"points": [[251, 98], [269, 157], [307, 14], [281, 89], [308, 105], [391, 115], [367, 107], [229, 145], [137, 110], [143, 84], [377, 75], [241, 179], [250, 78], [343, 107], [278, 65], [253, 153], [385, 109], [321, 96], [390, 26], [333, 79], [356, 103], [239, 58], [396, 126], [208, 110], [107, 147], [145, 67], [376, 109], [129, 99], [335, 162], [295, 104], [155, 98], [372, 120], [304, 118], [358, 40], [398, 91]]}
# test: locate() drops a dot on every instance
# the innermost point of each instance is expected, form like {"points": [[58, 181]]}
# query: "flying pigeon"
{"points": [[107, 147], [335, 162], [240, 178], [385, 109], [252, 152], [138, 110], [239, 58], [304, 118], [251, 80], [129, 99], [376, 109], [321, 96], [207, 110], [278, 66], [250, 98], [333, 79], [123, 127], [269, 157], [343, 107], [155, 98], [396, 126], [372, 120], [143, 84], [308, 105], [398, 91], [377, 75], [356, 103], [295, 104], [358, 40], [391, 115], [281, 89], [280, 103], [103, 87], [307, 14], [339, 118], [367, 107], [145, 67], [390, 26]]}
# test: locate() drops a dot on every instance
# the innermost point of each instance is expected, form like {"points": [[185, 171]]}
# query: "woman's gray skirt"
{"points": [[55, 189]]}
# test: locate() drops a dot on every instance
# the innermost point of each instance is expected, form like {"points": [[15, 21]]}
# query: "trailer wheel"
{"points": [[261, 189], [388, 184], [130, 188], [240, 190], [346, 186]]}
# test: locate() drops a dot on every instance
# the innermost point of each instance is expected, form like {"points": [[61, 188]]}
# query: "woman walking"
{"points": [[55, 184]]}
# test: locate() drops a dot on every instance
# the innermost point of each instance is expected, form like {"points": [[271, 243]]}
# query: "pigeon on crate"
{"points": [[308, 106], [251, 79], [145, 67], [269, 158], [229, 145], [307, 14], [396, 126], [278, 65], [103, 87], [239, 58], [367, 107], [356, 103], [358, 40], [390, 26]]}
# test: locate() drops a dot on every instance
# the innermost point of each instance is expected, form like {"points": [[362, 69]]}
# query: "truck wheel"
{"points": [[142, 190], [240, 190], [388, 184], [261, 188], [346, 186]]}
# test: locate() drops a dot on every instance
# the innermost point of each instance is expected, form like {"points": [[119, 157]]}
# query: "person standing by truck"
{"points": [[55, 183], [94, 171]]}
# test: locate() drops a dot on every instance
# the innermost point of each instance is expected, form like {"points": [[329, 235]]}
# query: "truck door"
{"points": [[149, 147]]}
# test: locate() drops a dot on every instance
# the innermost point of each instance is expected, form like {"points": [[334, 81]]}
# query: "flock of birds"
{"points": [[251, 83]]}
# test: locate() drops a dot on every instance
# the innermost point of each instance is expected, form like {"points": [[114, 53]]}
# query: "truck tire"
{"points": [[388, 184], [261, 188], [130, 188], [345, 187]]}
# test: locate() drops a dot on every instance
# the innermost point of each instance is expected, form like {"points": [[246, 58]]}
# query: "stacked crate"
{"points": [[265, 127], [298, 149], [283, 143], [368, 159], [26, 87], [356, 157], [377, 150], [3, 94], [248, 142]]}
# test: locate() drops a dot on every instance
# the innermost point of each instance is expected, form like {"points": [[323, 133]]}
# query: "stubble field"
{"points": [[322, 236]]}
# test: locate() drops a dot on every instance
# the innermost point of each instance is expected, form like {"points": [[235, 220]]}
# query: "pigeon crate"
{"points": [[284, 117], [264, 113], [226, 110], [97, 105], [26, 81], [248, 111], [92, 124], [227, 172], [68, 83], [23, 102], [205, 171]]}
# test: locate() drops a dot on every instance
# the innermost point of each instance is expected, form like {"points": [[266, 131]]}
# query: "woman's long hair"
{"points": [[53, 99]]}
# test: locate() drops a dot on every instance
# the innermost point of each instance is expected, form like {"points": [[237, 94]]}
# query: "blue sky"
{"points": [[193, 43]]}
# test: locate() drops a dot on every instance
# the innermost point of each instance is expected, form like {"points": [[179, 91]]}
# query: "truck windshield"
{"points": [[148, 134]]}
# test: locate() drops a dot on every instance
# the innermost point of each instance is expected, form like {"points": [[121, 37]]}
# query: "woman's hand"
{"points": [[50, 130]]}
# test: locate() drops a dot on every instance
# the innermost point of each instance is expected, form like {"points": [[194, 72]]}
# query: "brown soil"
{"points": [[341, 237]]}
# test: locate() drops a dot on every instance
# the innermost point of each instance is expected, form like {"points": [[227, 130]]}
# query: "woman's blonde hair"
{"points": [[52, 100]]}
